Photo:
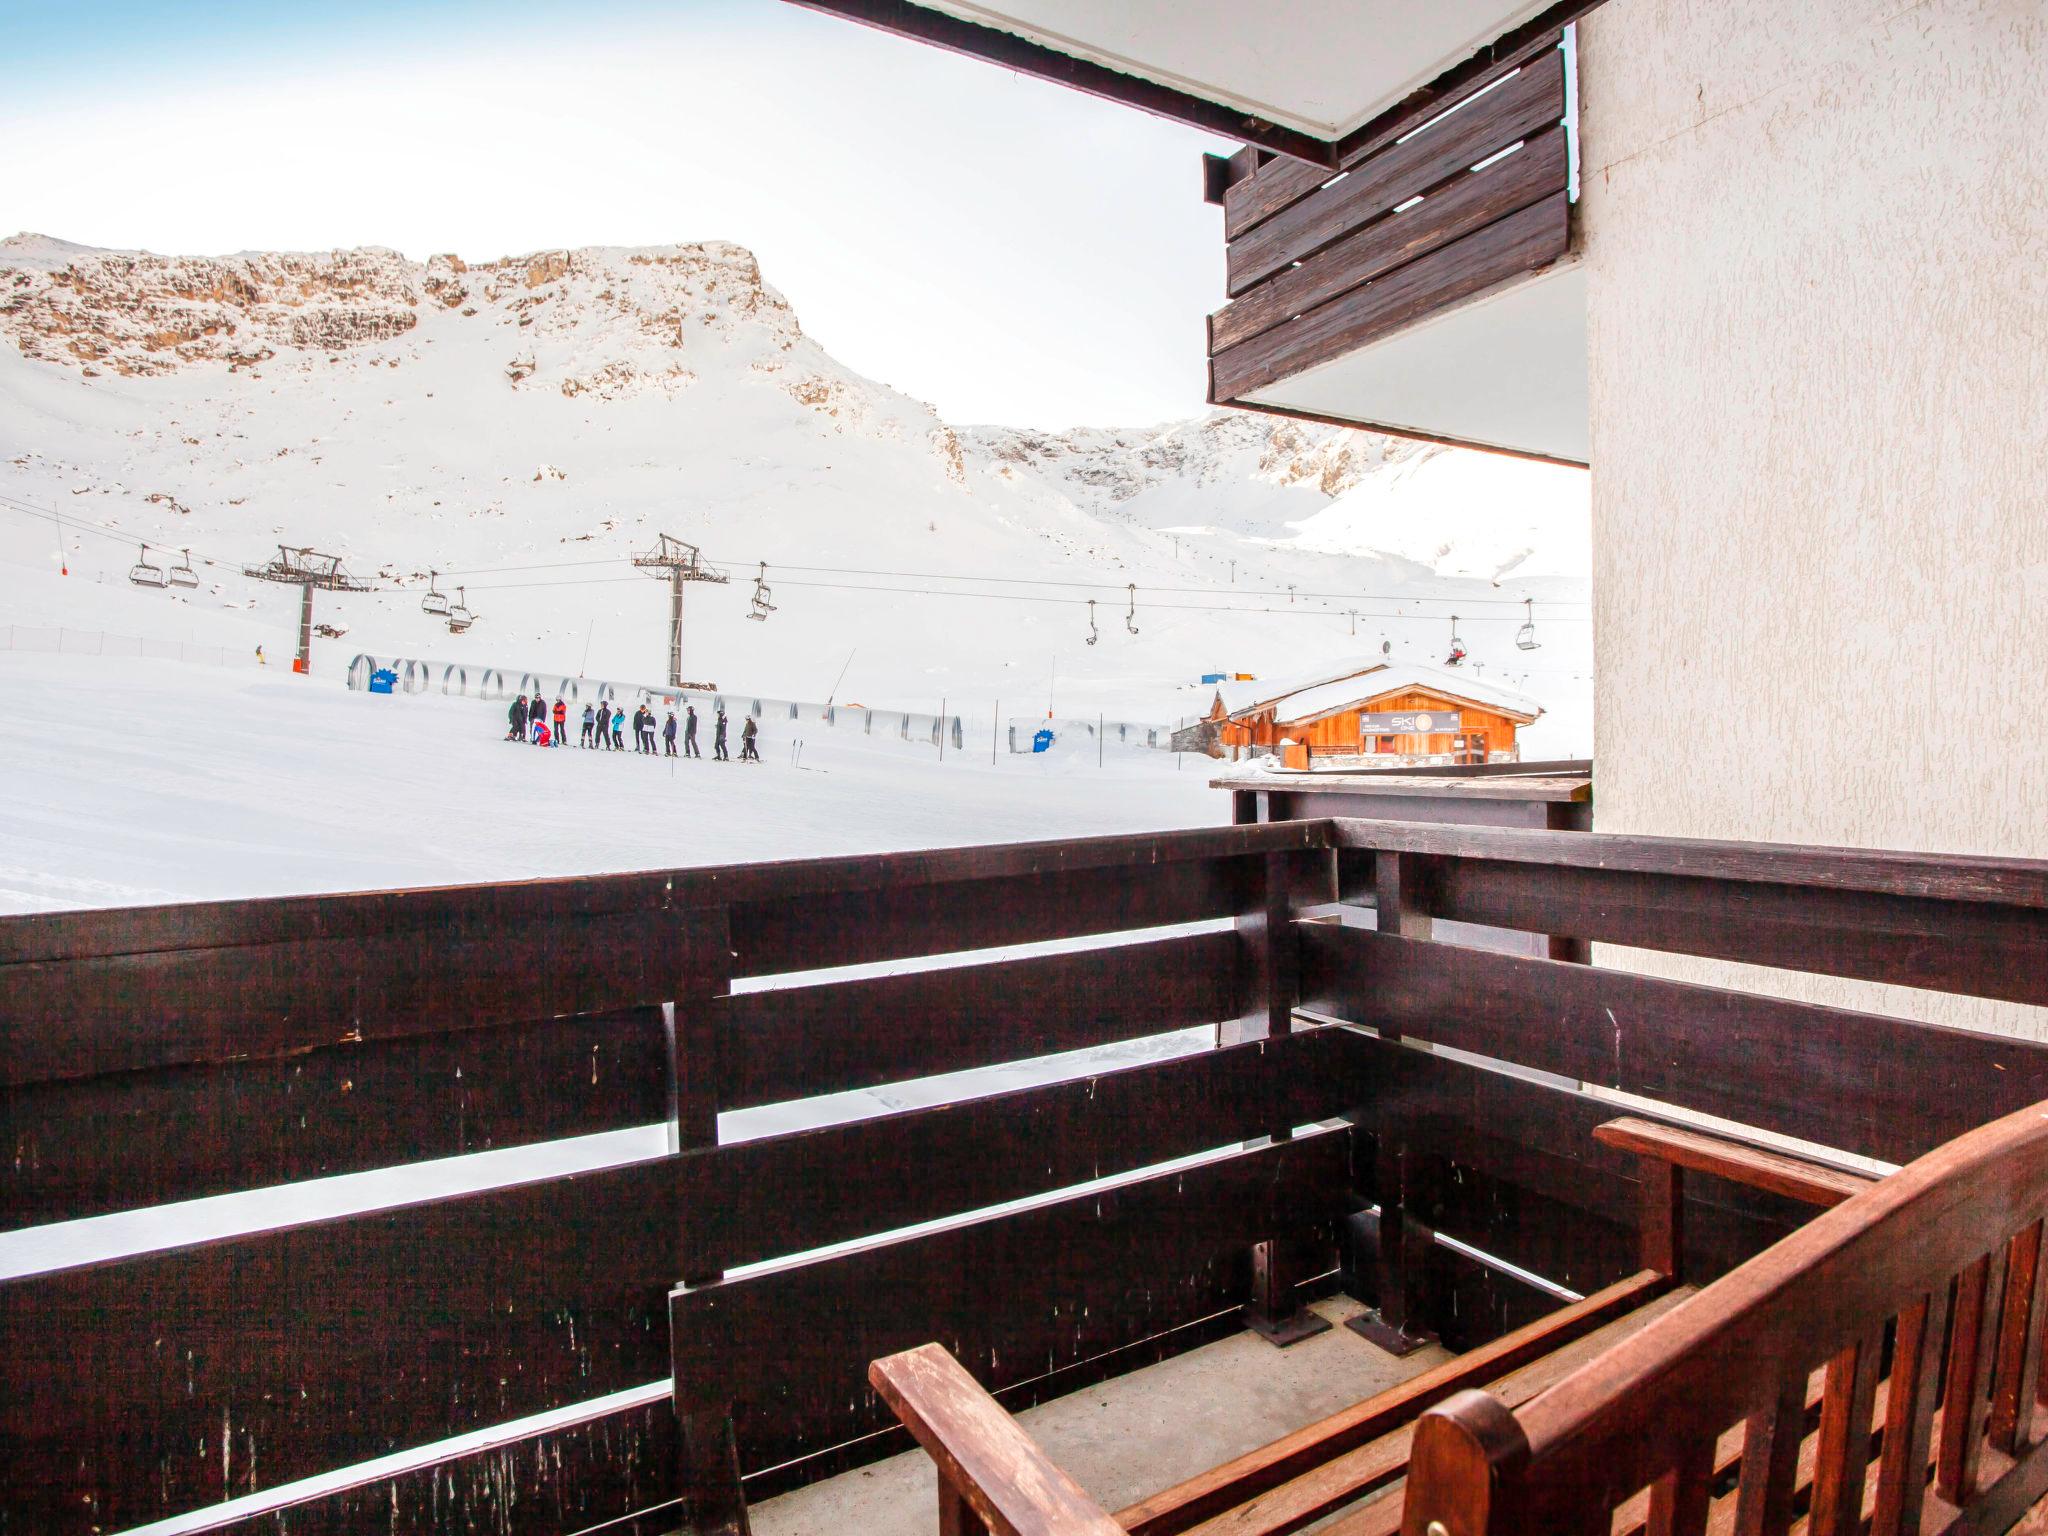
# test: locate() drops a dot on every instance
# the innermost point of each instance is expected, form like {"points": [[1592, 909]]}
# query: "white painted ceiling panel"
{"points": [[1505, 371], [1321, 66]]}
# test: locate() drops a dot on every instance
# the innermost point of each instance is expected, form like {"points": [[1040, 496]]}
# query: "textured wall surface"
{"points": [[1816, 239]]}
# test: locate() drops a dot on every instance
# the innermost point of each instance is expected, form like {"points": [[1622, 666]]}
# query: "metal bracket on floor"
{"points": [[1397, 1247], [1273, 1313]]}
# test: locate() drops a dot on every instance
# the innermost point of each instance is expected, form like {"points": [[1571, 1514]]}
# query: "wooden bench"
{"points": [[1652, 1407]]}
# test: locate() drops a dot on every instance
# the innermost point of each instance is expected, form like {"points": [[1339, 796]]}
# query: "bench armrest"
{"points": [[1778, 1172], [1667, 1151], [985, 1460]]}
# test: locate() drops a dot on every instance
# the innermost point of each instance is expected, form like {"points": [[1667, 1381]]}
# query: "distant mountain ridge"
{"points": [[565, 405]]}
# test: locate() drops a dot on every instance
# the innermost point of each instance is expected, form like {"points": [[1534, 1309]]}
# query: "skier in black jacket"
{"points": [[748, 731], [690, 731], [517, 715], [718, 753], [668, 735]]}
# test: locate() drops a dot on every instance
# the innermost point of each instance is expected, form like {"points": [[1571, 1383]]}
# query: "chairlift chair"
{"points": [[436, 601], [1525, 637], [1457, 646], [1131, 616], [762, 607], [1093, 633], [143, 574], [182, 574], [459, 616]]}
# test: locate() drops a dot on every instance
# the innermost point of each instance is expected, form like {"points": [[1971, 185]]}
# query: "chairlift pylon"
{"points": [[459, 616], [1130, 617], [143, 574], [1457, 646], [182, 574], [761, 606], [1525, 637], [1094, 634], [436, 601]]}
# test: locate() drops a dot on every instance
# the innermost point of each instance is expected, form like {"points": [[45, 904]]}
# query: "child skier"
{"points": [[618, 729], [589, 716], [561, 722]]}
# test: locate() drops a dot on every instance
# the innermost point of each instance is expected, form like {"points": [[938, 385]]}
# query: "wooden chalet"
{"points": [[1386, 714], [1718, 1205]]}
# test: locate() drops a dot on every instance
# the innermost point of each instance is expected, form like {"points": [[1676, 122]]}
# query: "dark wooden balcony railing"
{"points": [[164, 1054]]}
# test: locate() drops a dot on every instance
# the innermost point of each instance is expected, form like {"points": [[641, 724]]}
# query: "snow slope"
{"points": [[552, 413], [145, 782]]}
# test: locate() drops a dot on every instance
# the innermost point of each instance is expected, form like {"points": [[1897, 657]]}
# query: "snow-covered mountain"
{"points": [[523, 425]]}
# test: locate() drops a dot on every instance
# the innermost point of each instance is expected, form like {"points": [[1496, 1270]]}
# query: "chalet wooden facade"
{"points": [[1382, 715]]}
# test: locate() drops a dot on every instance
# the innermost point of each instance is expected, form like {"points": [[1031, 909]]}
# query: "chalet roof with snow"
{"points": [[1318, 700], [1239, 697]]}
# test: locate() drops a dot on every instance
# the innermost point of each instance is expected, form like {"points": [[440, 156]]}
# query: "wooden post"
{"points": [[1269, 960], [956, 1515], [1661, 1213], [1399, 1326], [708, 1461]]}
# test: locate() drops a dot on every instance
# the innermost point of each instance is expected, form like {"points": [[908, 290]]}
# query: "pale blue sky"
{"points": [[1006, 249]]}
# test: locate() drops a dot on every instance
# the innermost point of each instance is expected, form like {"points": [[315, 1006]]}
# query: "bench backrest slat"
{"points": [[1925, 1252]]}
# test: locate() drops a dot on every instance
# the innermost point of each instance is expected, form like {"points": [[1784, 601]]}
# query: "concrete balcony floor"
{"points": [[1131, 1435]]}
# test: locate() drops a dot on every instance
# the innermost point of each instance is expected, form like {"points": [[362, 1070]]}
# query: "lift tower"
{"points": [[681, 562], [305, 569]]}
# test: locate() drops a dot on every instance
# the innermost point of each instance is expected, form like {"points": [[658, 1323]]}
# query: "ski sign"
{"points": [[1409, 722]]}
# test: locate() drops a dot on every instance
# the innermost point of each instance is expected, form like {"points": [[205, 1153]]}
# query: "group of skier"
{"points": [[604, 728]]}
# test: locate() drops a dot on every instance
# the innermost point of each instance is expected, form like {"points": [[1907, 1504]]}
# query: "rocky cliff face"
{"points": [[602, 323], [1103, 469]]}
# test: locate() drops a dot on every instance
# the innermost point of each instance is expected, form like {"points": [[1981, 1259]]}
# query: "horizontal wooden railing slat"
{"points": [[148, 1386], [1281, 182], [127, 1140], [817, 932], [1532, 101], [1945, 877], [83, 1018], [798, 1042], [1522, 242], [575, 1477], [1465, 205], [95, 933], [1012, 1296], [759, 1199], [1865, 1083]]}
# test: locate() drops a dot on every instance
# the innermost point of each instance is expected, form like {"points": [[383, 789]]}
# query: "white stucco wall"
{"points": [[1816, 239]]}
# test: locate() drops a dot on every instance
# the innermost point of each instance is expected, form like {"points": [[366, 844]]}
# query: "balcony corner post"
{"points": [[707, 1450]]}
